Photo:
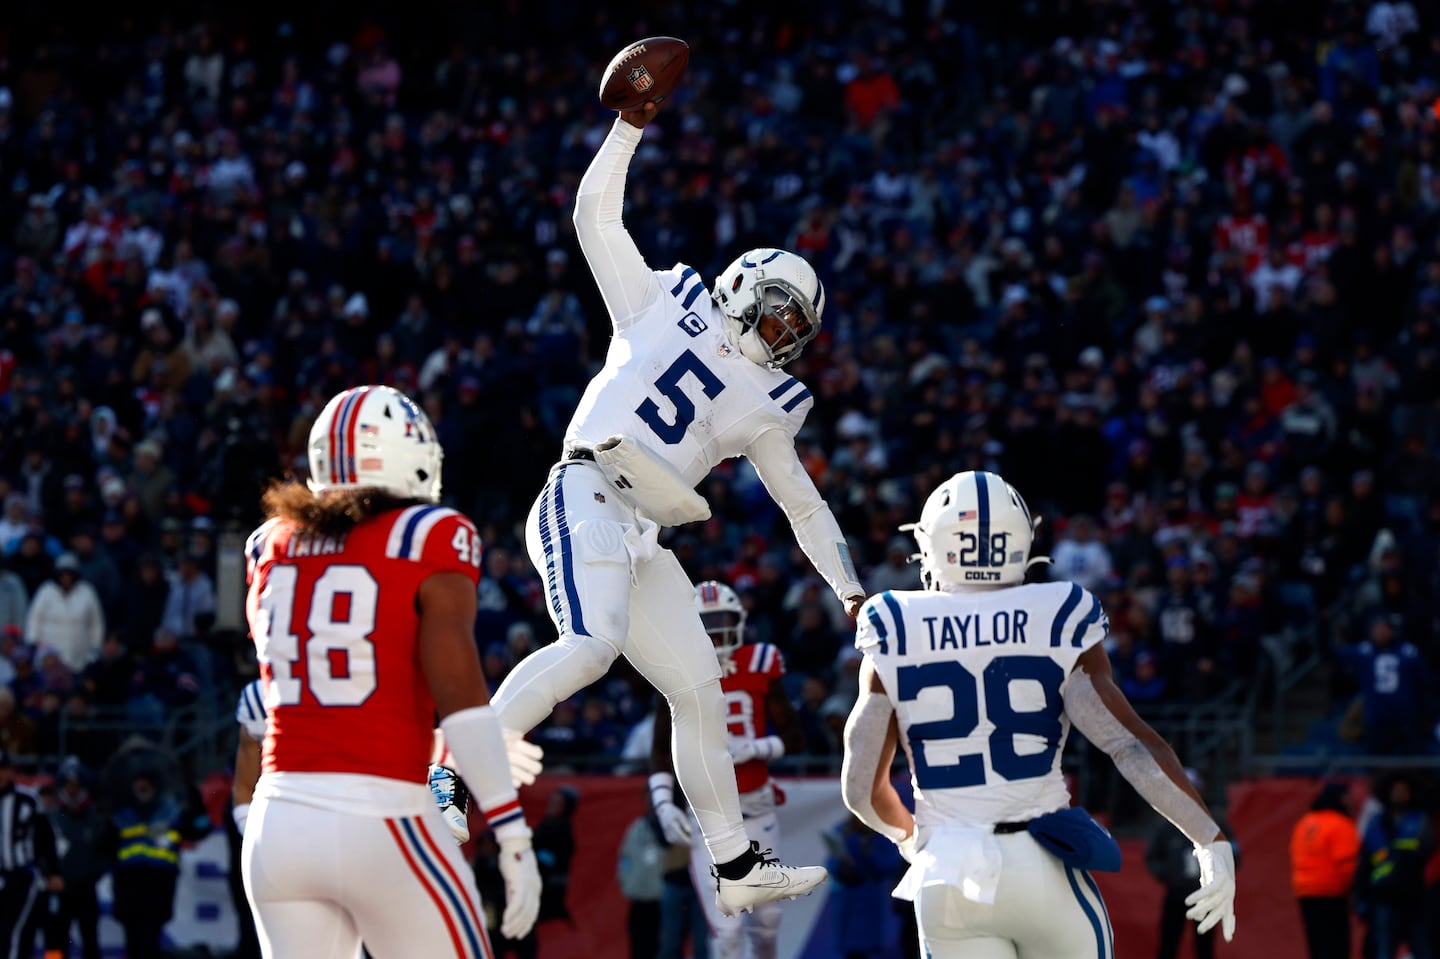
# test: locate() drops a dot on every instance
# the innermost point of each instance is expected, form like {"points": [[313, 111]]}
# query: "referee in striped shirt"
{"points": [[27, 851]]}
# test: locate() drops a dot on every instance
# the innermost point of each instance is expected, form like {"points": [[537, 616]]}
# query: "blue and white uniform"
{"points": [[675, 383], [977, 680]]}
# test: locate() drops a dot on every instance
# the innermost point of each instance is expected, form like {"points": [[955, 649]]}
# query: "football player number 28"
{"points": [[668, 383], [1039, 726], [339, 656]]}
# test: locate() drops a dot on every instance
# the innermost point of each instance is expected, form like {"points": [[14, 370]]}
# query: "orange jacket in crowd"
{"points": [[1323, 851]]}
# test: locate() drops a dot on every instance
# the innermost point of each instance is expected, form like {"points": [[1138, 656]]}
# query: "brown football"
{"points": [[647, 70]]}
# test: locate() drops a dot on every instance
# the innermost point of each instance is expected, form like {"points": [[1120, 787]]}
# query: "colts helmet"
{"points": [[771, 282], [375, 436], [723, 615], [975, 530]]}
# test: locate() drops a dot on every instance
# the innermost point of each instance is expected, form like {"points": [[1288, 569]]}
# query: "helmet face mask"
{"points": [[723, 616], [975, 530], [770, 283], [375, 437]]}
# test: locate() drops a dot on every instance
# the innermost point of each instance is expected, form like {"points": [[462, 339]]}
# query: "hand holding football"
{"points": [[647, 71]]}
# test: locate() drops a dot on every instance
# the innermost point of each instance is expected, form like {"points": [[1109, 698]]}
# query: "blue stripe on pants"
{"points": [[546, 543], [567, 559], [1100, 937]]}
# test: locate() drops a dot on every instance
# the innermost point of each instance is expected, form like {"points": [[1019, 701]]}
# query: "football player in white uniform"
{"points": [[979, 677], [692, 377], [762, 726]]}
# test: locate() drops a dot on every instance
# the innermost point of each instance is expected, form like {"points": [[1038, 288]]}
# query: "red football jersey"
{"points": [[746, 682], [336, 631]]}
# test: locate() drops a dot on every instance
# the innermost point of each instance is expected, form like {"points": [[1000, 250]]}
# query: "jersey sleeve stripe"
{"points": [[783, 388], [894, 607], [393, 545], [1091, 618], [424, 522], [255, 545], [874, 616], [796, 400], [764, 656], [1057, 628], [695, 292], [684, 278]]}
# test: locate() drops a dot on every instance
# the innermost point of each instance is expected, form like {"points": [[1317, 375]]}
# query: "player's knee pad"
{"points": [[592, 654]]}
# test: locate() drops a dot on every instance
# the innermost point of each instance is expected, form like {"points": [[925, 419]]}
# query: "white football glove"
{"points": [[674, 823], [1214, 901], [524, 756], [742, 749], [522, 887], [453, 799]]}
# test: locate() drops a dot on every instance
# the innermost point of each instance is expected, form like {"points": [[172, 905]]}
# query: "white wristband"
{"points": [[769, 747], [662, 789], [478, 748]]}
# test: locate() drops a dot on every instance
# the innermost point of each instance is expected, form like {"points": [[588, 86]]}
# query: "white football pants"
{"points": [[613, 590], [1043, 909], [761, 926], [320, 881]]}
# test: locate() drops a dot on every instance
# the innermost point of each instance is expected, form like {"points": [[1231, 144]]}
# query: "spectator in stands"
{"points": [[1394, 689], [1324, 848], [66, 616], [191, 596], [17, 732], [1390, 882], [14, 600], [1080, 556], [167, 680], [145, 832]]}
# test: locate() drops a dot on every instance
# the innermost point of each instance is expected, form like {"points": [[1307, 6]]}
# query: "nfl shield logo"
{"points": [[640, 78]]}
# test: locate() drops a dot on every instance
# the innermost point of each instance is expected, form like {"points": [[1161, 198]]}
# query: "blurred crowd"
{"points": [[1172, 268]]}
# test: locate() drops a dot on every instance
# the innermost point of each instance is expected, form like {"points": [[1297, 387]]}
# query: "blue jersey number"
{"points": [[969, 769], [668, 383]]}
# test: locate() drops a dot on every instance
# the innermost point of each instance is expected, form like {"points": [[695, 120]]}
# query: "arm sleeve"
{"points": [[1090, 715], [865, 732], [784, 476], [626, 283]]}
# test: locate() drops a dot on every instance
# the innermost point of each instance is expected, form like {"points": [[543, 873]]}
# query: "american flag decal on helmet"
{"points": [[967, 514]]}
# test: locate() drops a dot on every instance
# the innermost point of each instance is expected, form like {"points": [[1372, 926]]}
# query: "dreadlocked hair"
{"points": [[332, 512]]}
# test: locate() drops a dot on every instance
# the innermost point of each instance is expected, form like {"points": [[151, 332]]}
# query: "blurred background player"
{"points": [[976, 675], [250, 718], [362, 608], [691, 378], [762, 726]]}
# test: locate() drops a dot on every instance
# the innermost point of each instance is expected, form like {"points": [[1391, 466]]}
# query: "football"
{"points": [[645, 71]]}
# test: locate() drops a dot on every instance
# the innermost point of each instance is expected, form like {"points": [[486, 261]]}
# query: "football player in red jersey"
{"points": [[762, 725], [362, 608]]}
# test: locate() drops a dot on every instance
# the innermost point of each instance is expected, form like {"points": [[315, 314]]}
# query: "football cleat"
{"points": [[767, 881], [453, 798]]}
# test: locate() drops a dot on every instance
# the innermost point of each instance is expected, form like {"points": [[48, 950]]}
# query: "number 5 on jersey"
{"points": [[339, 654]]}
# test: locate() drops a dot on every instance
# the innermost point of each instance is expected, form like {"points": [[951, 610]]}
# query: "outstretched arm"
{"points": [[784, 476], [626, 283]]}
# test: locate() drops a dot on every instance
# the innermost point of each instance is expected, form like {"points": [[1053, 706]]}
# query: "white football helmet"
{"points": [[375, 436], [723, 615], [770, 282], [975, 530]]}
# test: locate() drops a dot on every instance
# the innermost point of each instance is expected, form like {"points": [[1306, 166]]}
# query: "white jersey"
{"points": [[673, 381], [250, 709], [976, 679]]}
